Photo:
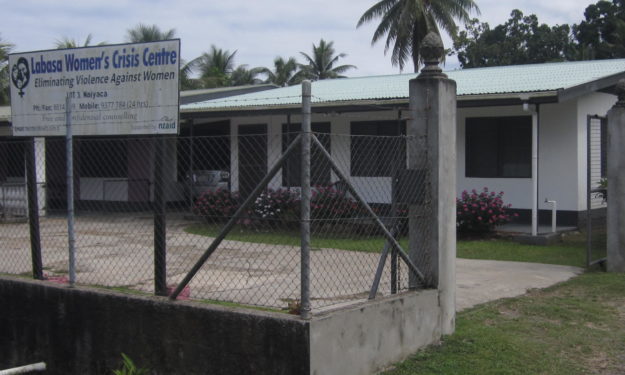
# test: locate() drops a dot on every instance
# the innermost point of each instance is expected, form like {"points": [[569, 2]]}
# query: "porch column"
{"points": [[534, 172]]}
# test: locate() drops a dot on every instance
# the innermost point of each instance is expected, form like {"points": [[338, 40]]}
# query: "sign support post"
{"points": [[69, 138], [160, 224], [33, 210]]}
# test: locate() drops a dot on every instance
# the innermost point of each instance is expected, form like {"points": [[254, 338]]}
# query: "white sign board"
{"points": [[115, 90]]}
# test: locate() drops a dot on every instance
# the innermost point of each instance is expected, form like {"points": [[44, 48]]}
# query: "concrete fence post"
{"points": [[616, 183], [305, 201], [432, 148]]}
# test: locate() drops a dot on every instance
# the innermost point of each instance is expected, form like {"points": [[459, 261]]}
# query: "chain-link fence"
{"points": [[362, 199]]}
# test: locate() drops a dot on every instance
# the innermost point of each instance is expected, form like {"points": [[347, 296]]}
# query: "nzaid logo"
{"points": [[20, 75], [167, 123]]}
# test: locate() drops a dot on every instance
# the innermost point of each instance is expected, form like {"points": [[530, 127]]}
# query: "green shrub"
{"points": [[129, 368]]}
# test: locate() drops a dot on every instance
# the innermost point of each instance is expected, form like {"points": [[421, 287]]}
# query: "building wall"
{"points": [[561, 151], [374, 189], [557, 156], [517, 191]]}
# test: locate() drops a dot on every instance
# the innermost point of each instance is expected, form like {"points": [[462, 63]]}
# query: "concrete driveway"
{"points": [[116, 251], [480, 281]]}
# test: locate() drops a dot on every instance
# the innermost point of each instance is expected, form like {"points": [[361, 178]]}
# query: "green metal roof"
{"points": [[187, 93], [492, 81]]}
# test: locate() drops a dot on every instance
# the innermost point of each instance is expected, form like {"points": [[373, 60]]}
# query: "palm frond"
{"points": [[406, 22]]}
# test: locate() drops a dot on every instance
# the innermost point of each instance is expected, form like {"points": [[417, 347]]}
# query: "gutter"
{"points": [[463, 101], [592, 86]]}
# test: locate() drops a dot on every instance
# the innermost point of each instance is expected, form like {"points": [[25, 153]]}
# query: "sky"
{"points": [[258, 30]]}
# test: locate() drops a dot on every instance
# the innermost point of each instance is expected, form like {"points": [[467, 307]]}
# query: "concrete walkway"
{"points": [[480, 281], [118, 252]]}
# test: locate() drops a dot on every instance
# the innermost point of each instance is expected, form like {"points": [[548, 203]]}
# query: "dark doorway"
{"points": [[12, 154], [56, 179], [252, 156], [319, 168]]}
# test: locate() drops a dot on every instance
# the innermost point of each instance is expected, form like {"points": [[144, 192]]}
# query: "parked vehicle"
{"points": [[199, 181]]}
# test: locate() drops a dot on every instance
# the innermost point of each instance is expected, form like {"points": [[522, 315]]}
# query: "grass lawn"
{"points": [[285, 237], [502, 249], [571, 251], [577, 327]]}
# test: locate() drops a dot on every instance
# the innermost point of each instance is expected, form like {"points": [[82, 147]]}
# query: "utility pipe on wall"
{"points": [[554, 210]]}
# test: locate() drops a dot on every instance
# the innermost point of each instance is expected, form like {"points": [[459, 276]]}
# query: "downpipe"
{"points": [[554, 209]]}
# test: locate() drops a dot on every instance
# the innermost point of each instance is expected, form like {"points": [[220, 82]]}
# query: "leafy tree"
{"points": [[284, 73], [521, 40], [67, 42], [145, 33], [215, 67], [406, 22], [322, 64], [244, 76], [5, 49], [601, 35]]}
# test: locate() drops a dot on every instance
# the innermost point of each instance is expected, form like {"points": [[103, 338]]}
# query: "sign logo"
{"points": [[20, 75], [167, 123]]}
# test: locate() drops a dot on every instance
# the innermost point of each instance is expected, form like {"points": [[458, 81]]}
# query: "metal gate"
{"points": [[596, 190]]}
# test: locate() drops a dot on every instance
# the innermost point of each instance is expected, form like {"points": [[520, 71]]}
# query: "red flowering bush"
{"points": [[327, 202], [217, 205], [480, 212]]}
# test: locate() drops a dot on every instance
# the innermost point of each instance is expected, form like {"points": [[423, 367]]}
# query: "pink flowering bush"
{"points": [[281, 207], [480, 212], [217, 205], [327, 202]]}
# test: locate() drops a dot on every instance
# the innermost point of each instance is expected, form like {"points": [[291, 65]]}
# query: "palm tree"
{"points": [[67, 42], [244, 76], [407, 22], [5, 49], [215, 67], [186, 71], [285, 72], [322, 63], [144, 33]]}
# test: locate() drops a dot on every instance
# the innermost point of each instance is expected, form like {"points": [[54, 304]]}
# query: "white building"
{"points": [[505, 116], [500, 109]]}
